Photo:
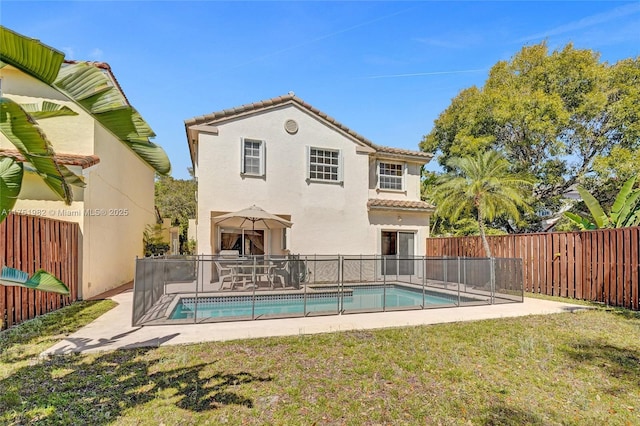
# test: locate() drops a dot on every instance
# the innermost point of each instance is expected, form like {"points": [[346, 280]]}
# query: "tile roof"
{"points": [[83, 161], [377, 203], [291, 98]]}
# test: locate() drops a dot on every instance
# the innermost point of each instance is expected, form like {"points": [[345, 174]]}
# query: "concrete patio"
{"points": [[113, 330]]}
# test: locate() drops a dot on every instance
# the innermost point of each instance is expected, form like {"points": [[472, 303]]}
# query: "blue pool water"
{"points": [[354, 299]]}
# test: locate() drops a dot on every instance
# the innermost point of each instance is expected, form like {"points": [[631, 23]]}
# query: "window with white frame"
{"points": [[324, 164], [390, 176], [252, 157]]}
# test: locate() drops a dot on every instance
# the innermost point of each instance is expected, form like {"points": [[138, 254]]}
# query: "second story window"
{"points": [[390, 176], [324, 164], [252, 157]]}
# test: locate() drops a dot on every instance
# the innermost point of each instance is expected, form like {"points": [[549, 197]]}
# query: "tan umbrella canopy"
{"points": [[252, 215]]}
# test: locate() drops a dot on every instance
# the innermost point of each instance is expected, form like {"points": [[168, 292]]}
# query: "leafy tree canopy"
{"points": [[176, 199], [564, 117]]}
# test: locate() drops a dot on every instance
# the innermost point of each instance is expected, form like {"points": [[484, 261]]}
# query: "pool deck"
{"points": [[113, 330]]}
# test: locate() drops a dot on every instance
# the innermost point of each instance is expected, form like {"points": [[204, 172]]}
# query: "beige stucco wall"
{"points": [[328, 218], [120, 191], [68, 134], [117, 202]]}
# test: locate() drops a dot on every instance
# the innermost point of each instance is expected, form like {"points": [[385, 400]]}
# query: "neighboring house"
{"points": [[343, 193], [118, 200], [550, 218]]}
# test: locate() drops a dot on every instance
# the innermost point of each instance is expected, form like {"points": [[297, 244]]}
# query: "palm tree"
{"points": [[480, 185]]}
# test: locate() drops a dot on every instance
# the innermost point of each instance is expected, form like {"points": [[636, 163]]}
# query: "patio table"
{"points": [[255, 271]]}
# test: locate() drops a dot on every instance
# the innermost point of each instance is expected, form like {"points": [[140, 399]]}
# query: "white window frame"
{"points": [[340, 166], [261, 157], [403, 168]]}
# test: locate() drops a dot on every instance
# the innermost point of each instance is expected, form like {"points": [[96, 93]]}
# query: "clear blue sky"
{"points": [[384, 69]]}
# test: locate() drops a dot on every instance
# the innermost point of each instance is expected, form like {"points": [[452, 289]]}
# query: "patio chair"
{"points": [[224, 272]]}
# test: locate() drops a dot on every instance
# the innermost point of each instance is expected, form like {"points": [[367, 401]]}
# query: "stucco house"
{"points": [[116, 204], [343, 193]]}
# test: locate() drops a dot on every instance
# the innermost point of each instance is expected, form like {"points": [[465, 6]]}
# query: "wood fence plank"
{"points": [[562, 264], [626, 268], [570, 264], [587, 263], [578, 265]]}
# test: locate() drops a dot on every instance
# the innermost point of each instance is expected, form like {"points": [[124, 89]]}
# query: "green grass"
{"points": [[567, 369]]}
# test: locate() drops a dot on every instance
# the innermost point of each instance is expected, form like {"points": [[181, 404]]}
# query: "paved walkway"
{"points": [[113, 330]]}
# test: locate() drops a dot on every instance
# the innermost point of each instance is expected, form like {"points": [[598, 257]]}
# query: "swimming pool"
{"points": [[327, 301]]}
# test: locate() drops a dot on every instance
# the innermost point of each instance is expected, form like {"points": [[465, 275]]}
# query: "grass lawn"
{"points": [[575, 369]]}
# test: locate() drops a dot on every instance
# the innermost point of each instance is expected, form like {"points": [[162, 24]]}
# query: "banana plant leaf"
{"points": [[583, 224], [153, 155], [622, 204], [30, 55], [21, 130], [600, 218], [47, 110], [41, 280], [630, 207], [94, 91], [11, 173]]}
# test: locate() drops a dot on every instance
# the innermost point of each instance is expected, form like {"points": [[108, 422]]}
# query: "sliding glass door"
{"points": [[397, 249]]}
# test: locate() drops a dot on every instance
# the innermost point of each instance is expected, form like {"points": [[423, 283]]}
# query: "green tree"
{"points": [[554, 115], [176, 199], [482, 186]]}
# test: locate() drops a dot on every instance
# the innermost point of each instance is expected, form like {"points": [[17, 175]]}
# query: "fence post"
{"points": [[375, 268], [424, 280], [444, 273], [459, 263], [341, 284], [384, 284], [492, 274], [199, 273], [253, 286], [133, 311], [305, 287]]}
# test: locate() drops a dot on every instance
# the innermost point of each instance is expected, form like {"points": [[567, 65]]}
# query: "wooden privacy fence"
{"points": [[599, 266], [30, 243]]}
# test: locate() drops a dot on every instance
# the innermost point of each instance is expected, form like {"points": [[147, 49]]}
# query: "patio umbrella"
{"points": [[252, 215]]}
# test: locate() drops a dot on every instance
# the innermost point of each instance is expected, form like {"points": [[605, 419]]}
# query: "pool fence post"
{"points": [[360, 267], [492, 272], [341, 284], [464, 273], [375, 268], [384, 285], [135, 274], [397, 267], [164, 275], [444, 272], [253, 286], [199, 272], [458, 281], [305, 293], [424, 280]]}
